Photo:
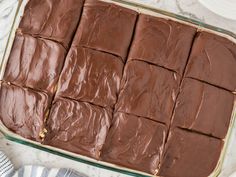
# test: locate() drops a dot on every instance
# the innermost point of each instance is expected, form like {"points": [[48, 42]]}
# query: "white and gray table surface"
{"points": [[23, 155]]}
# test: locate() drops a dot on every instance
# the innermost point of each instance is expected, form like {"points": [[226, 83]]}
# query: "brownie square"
{"points": [[148, 91], [134, 142], [91, 76], [52, 19], [190, 154], [35, 63], [213, 60], [162, 42], [203, 108], [106, 27], [23, 110], [78, 127]]}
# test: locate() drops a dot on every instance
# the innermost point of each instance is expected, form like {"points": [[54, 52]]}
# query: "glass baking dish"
{"points": [[142, 9]]}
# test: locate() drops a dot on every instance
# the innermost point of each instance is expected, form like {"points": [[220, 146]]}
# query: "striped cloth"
{"points": [[6, 167], [7, 170]]}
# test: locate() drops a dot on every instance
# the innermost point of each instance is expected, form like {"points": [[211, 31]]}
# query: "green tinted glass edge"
{"points": [[176, 16], [73, 158]]}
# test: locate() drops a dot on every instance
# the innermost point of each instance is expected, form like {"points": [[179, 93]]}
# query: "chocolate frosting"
{"points": [[78, 127], [190, 154], [121, 112], [52, 19], [213, 60], [91, 76], [203, 108], [162, 42], [148, 91], [23, 110], [106, 27], [35, 63], [134, 142]]}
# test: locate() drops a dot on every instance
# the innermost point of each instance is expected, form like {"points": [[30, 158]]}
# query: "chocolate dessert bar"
{"points": [[135, 142], [213, 60], [52, 19], [78, 127], [106, 27], [35, 63], [162, 42], [103, 81], [203, 108], [92, 76], [188, 154], [148, 91], [23, 110]]}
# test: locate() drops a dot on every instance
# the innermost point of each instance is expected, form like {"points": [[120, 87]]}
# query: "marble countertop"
{"points": [[23, 155]]}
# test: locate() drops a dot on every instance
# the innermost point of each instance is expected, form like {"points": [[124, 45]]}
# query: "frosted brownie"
{"points": [[148, 91], [162, 42], [52, 19], [190, 154], [213, 60], [78, 127], [24, 110], [203, 108], [35, 63], [106, 27], [92, 76], [135, 142]]}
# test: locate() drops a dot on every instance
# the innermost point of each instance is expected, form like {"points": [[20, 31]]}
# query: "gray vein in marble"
{"points": [[185, 13]]}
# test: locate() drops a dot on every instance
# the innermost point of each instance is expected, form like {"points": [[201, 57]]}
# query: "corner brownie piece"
{"points": [[134, 142], [35, 63], [52, 19], [162, 42], [78, 127], [23, 110], [213, 60], [106, 27], [91, 76], [148, 91], [203, 108], [190, 154]]}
